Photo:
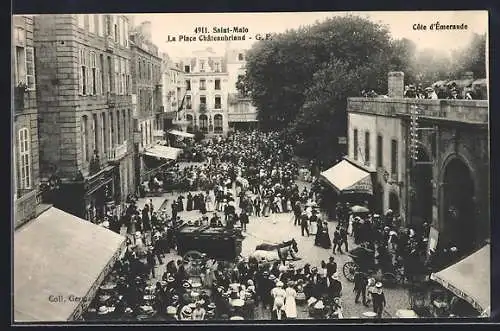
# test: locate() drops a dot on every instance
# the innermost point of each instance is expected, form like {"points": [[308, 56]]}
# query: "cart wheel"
{"points": [[192, 256], [349, 270]]}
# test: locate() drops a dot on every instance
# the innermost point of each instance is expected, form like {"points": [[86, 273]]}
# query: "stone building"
{"points": [[174, 91], [207, 91], [85, 111], [241, 113], [25, 126], [146, 66], [444, 180]]}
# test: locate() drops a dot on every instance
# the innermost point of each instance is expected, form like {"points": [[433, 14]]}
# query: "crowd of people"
{"points": [[254, 171], [436, 91]]}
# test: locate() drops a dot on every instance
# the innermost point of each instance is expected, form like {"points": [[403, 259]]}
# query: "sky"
{"points": [[400, 24]]}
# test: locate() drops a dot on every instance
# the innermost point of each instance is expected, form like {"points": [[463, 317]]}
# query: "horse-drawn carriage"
{"points": [[219, 243], [363, 260]]}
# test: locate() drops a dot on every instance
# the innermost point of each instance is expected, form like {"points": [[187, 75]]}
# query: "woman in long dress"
{"points": [[278, 293], [209, 202], [325, 241], [189, 204], [180, 203], [290, 304]]}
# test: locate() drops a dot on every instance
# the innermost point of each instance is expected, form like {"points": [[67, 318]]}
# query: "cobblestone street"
{"points": [[277, 228]]}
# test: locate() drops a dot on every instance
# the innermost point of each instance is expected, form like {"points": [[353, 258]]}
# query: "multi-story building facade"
{"points": [[25, 127], [174, 91], [241, 113], [207, 85], [429, 161], [146, 85], [85, 110]]}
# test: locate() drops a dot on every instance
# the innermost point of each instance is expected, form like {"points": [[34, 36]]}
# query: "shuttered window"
{"points": [[24, 159]]}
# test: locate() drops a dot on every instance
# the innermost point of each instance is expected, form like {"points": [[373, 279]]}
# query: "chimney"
{"points": [[146, 30], [395, 84]]}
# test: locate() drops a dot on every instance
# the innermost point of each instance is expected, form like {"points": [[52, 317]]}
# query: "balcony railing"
{"points": [[25, 207], [118, 152]]}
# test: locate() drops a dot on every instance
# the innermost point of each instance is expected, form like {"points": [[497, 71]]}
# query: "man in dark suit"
{"points": [[311, 289], [304, 226], [336, 241], [243, 220], [335, 287], [296, 212], [360, 282], [331, 267]]}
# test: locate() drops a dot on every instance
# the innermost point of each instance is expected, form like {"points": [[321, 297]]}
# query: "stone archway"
{"points": [[422, 190], [458, 203]]}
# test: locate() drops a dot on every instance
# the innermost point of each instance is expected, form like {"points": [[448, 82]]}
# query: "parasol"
{"points": [[359, 209]]}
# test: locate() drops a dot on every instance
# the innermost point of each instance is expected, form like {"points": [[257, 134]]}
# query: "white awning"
{"points": [[59, 257], [345, 177], [181, 133], [164, 152], [469, 279]]}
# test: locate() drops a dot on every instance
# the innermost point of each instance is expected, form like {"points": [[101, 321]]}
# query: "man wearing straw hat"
{"points": [[378, 299]]}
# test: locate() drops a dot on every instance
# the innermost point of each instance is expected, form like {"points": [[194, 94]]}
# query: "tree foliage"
{"points": [[300, 79]]}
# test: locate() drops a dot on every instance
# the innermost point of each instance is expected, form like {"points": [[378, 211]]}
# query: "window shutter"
{"points": [[80, 73], [30, 67], [99, 81]]}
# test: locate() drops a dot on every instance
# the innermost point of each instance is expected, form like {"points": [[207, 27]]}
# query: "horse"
{"points": [[276, 252]]}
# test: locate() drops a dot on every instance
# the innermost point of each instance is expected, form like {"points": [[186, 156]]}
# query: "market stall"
{"points": [[351, 182], [469, 280], [60, 261]]}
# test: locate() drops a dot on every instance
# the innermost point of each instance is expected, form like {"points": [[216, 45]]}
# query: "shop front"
{"points": [[102, 192], [156, 161], [88, 198], [60, 261]]}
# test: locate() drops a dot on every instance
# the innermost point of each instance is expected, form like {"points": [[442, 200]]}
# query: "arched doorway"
{"points": [[459, 207], [394, 203], [421, 194]]}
